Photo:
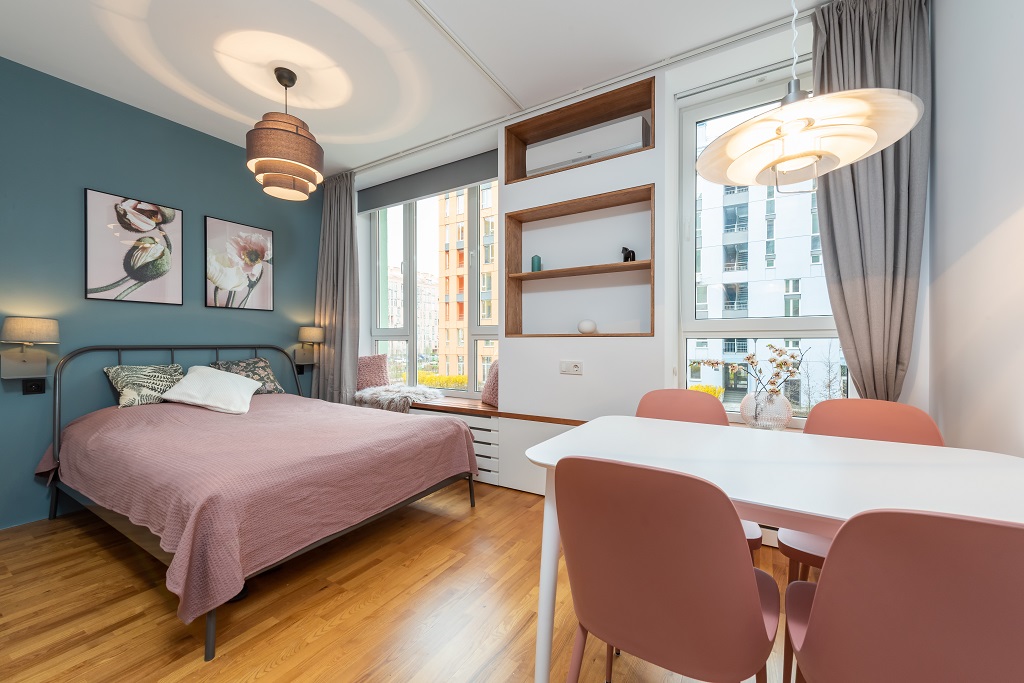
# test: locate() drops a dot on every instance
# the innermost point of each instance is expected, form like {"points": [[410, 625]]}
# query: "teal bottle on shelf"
{"points": [[535, 264]]}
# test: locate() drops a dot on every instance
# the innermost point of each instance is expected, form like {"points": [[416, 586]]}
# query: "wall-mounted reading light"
{"points": [[27, 364], [304, 354]]}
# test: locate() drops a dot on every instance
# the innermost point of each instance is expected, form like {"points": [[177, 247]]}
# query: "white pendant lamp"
{"points": [[806, 137], [282, 153]]}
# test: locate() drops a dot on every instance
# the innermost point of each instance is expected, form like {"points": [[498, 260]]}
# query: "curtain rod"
{"points": [[668, 61]]}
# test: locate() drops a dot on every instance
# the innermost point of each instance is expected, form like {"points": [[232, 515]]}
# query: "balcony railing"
{"points": [[737, 305], [738, 264]]}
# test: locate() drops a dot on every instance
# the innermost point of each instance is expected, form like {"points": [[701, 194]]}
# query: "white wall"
{"points": [[977, 297]]}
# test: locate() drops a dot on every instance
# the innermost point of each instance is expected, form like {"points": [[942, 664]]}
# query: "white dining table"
{"points": [[799, 481]]}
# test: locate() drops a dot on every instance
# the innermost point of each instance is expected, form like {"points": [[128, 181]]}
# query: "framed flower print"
{"points": [[239, 266]]}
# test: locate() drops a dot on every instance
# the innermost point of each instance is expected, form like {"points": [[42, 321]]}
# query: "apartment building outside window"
{"points": [[449, 307], [751, 268]]}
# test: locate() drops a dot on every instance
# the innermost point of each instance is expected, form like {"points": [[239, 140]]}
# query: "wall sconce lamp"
{"points": [[304, 354], [27, 364]]}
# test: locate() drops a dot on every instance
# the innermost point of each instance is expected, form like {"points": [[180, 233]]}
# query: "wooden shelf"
{"points": [[621, 267], [631, 99], [514, 277]]}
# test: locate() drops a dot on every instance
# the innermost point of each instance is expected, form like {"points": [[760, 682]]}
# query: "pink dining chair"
{"points": [[886, 608], [856, 418], [686, 405], [678, 589]]}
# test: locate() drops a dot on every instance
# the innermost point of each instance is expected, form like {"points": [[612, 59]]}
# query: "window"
{"points": [[734, 256], [731, 302], [735, 297], [734, 218], [734, 346], [695, 371], [486, 353], [815, 231], [792, 299], [430, 307]]}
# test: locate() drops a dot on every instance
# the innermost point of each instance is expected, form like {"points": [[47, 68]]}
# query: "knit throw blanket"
{"points": [[395, 397]]}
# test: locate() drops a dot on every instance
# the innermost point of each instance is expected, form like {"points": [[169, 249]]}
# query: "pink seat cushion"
{"points": [[490, 393], [373, 371], [805, 548]]}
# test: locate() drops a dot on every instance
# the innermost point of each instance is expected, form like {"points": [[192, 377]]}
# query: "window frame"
{"points": [[473, 259], [691, 109]]}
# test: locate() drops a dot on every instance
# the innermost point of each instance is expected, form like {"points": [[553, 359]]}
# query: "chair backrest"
{"points": [[865, 418], [684, 405], [890, 607], [659, 567]]}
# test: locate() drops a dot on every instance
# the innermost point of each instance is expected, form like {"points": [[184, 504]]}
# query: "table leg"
{"points": [[550, 542]]}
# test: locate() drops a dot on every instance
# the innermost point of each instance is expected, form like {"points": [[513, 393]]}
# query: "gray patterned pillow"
{"points": [[254, 368], [140, 385]]}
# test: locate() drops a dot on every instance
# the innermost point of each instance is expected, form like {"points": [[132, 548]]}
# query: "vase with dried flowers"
{"points": [[766, 407]]}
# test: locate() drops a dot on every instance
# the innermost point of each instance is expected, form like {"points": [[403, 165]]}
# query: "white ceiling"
{"points": [[376, 77]]}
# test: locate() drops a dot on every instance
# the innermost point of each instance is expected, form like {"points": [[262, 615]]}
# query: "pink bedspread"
{"points": [[232, 494]]}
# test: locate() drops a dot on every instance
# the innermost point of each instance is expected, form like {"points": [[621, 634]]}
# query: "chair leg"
{"points": [[762, 675], [787, 650], [577, 655], [609, 657], [799, 676]]}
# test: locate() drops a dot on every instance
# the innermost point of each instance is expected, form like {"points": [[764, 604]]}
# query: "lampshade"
{"points": [[809, 136], [311, 335], [18, 330], [282, 153]]}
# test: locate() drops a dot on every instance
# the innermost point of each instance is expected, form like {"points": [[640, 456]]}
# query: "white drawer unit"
{"points": [[485, 442]]}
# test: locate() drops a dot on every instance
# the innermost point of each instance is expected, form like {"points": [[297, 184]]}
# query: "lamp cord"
{"points": [[286, 92], [795, 34]]}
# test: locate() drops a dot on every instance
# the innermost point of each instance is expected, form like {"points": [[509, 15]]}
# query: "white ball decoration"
{"points": [[587, 327]]}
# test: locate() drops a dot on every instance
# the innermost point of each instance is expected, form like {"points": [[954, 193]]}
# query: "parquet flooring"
{"points": [[435, 592]]}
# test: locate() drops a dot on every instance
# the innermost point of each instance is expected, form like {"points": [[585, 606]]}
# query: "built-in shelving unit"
{"points": [[515, 277], [636, 98], [598, 269]]}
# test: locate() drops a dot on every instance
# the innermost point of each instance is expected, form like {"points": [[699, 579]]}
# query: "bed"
{"points": [[221, 498]]}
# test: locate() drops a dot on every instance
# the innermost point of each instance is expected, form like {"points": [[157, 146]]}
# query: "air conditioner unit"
{"points": [[590, 144]]}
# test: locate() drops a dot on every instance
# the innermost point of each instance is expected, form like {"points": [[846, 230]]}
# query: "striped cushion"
{"points": [[140, 385]]}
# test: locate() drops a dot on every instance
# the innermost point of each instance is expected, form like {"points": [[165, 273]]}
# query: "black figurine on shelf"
{"points": [[628, 255]]}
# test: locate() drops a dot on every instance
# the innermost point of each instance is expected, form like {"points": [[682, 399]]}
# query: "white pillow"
{"points": [[217, 390]]}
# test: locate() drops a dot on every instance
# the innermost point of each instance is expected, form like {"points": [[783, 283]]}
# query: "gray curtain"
{"points": [[337, 294], [872, 213]]}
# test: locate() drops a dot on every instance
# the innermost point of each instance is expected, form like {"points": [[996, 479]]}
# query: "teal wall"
{"points": [[57, 139]]}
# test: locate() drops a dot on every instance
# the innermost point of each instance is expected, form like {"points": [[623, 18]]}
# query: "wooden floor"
{"points": [[435, 592]]}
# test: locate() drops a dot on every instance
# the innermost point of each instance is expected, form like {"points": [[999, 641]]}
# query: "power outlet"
{"points": [[33, 386], [570, 367]]}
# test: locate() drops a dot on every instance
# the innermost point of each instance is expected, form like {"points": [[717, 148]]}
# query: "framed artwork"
{"points": [[132, 250], [239, 266]]}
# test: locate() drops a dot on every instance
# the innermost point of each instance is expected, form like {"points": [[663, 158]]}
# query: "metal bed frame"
{"points": [[142, 536]]}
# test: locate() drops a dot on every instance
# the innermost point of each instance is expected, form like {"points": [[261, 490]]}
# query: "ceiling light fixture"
{"points": [[806, 137], [282, 153]]}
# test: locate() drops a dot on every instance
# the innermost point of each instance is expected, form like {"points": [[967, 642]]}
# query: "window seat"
{"points": [[474, 406]]}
